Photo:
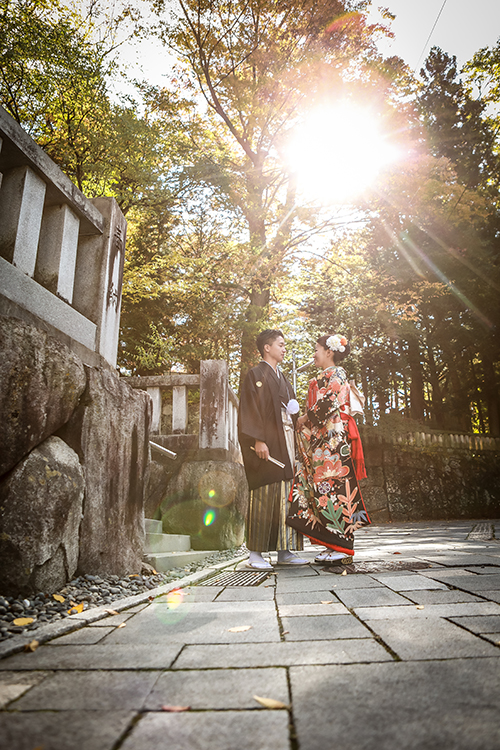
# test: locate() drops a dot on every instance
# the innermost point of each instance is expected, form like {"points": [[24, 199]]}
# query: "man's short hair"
{"points": [[267, 337]]}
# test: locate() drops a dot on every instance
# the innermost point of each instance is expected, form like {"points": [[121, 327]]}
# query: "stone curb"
{"points": [[75, 622]]}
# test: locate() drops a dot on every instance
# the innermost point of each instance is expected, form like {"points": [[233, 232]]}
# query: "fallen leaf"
{"points": [[122, 625], [134, 575], [269, 702], [420, 606], [396, 553], [344, 573], [111, 611], [151, 598], [328, 601], [76, 609], [59, 598], [239, 629], [31, 646], [175, 709], [285, 632], [22, 621], [155, 572]]}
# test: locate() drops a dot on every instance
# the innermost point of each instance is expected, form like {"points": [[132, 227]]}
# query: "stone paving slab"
{"points": [[356, 581], [15, 684], [83, 637], [474, 583], [219, 689], [281, 654], [221, 730], [444, 705], [370, 597], [73, 730], [438, 596], [129, 656], [247, 594], [201, 622], [325, 628], [408, 582], [306, 598], [482, 624], [430, 638], [429, 611], [90, 691], [309, 610], [494, 596]]}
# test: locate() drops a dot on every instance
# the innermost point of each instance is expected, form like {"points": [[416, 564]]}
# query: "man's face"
{"points": [[276, 349]]}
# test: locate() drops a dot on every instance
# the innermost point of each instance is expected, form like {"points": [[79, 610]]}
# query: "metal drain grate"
{"points": [[236, 578]]}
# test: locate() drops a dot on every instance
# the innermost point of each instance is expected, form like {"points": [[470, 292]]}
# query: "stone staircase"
{"points": [[167, 551]]}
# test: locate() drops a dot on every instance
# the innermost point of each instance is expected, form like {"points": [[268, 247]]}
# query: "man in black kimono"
{"points": [[266, 430]]}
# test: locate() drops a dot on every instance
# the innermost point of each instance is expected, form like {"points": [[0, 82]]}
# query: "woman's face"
{"points": [[323, 358]]}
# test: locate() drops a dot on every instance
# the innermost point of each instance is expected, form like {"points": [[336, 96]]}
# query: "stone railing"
{"points": [[212, 415], [61, 255], [453, 441]]}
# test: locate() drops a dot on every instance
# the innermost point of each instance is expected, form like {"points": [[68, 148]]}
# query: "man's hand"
{"points": [[262, 450], [301, 421]]}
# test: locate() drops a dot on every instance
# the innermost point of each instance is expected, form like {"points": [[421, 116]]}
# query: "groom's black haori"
{"points": [[263, 398]]}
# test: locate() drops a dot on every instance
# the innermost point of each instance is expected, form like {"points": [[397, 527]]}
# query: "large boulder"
{"points": [[110, 433], [41, 382], [41, 504], [208, 501]]}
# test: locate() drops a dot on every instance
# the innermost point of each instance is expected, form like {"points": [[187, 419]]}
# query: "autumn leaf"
{"points": [[420, 606], [269, 702], [175, 709], [134, 575], [22, 621], [328, 601], [76, 609], [239, 629], [396, 553], [111, 611], [59, 598], [31, 646], [122, 625]]}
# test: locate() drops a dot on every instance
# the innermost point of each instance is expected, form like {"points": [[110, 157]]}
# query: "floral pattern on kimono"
{"points": [[326, 501]]}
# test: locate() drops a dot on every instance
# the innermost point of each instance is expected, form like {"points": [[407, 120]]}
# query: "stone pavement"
{"points": [[399, 653]]}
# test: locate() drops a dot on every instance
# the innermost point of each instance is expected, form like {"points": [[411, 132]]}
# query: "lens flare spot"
{"points": [[209, 517], [211, 494], [175, 598], [217, 488]]}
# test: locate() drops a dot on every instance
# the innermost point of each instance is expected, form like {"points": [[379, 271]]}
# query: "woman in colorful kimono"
{"points": [[326, 499]]}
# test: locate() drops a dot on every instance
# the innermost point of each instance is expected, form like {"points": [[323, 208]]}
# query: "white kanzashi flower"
{"points": [[292, 407], [336, 343]]}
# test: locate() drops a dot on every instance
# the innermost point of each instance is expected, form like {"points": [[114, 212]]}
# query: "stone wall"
{"points": [[73, 463], [410, 483]]}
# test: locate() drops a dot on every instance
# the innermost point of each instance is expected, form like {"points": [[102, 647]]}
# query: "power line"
{"points": [[429, 37]]}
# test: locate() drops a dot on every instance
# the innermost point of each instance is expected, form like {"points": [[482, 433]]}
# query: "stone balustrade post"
{"points": [[57, 250], [21, 209], [214, 392], [155, 394], [98, 277], [179, 410]]}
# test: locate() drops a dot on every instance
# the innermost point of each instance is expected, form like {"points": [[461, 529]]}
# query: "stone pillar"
{"points": [[155, 394], [21, 207], [214, 394], [98, 277], [56, 260], [179, 410]]}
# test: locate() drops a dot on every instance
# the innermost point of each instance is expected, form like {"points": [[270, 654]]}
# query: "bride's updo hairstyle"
{"points": [[335, 343]]}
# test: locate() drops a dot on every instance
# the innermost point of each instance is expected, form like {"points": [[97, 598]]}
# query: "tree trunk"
{"points": [[417, 401]]}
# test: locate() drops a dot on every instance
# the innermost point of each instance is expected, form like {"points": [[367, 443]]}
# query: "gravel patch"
{"points": [[23, 614]]}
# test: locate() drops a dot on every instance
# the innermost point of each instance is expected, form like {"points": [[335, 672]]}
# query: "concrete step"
{"points": [[163, 561], [152, 526], [167, 543]]}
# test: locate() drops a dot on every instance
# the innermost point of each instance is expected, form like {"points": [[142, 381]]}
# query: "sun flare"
{"points": [[338, 152]]}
